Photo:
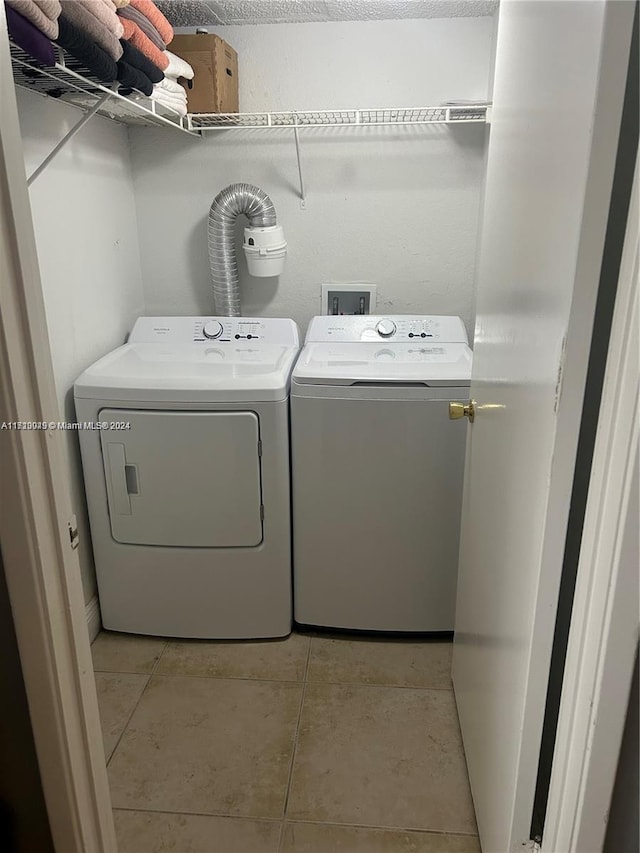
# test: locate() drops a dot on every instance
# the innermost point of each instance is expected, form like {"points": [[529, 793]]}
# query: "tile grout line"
{"points": [[258, 818], [283, 680], [160, 656], [385, 828], [382, 684], [168, 811], [135, 707], [295, 681], [295, 746]]}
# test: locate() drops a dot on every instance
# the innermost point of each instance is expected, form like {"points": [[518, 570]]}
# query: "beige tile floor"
{"points": [[304, 745]]}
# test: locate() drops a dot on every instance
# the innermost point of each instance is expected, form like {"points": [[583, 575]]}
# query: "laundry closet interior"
{"points": [[339, 735]]}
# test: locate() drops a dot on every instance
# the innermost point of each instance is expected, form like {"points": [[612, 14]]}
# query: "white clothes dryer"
{"points": [[377, 471], [187, 476]]}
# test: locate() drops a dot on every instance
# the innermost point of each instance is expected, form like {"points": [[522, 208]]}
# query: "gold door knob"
{"points": [[462, 410]]}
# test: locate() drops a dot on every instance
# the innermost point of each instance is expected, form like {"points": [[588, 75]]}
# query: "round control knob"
{"points": [[213, 329], [386, 328]]}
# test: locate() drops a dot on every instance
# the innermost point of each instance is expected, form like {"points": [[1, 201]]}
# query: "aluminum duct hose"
{"points": [[225, 209]]}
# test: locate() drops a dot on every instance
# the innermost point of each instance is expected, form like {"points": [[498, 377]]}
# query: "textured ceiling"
{"points": [[195, 13]]}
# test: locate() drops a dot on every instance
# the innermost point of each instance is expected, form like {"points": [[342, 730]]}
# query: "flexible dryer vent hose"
{"points": [[225, 209]]}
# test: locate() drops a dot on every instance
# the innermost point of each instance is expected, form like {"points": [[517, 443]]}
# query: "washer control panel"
{"points": [[396, 328], [188, 330], [230, 329]]}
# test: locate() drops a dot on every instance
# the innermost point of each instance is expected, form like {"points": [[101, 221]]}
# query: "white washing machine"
{"points": [[187, 479], [377, 471]]}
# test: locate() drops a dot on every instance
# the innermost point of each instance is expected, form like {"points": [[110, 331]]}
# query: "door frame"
{"points": [[604, 627], [40, 561]]}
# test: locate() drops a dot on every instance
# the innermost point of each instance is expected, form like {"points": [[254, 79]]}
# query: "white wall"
{"points": [[397, 207], [86, 232]]}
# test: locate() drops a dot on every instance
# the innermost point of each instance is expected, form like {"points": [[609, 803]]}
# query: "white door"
{"points": [[184, 479], [559, 85]]}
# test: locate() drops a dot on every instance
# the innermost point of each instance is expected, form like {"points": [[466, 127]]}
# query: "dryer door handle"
{"points": [[120, 503]]}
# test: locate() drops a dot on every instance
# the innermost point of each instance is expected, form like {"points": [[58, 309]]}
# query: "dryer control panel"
{"points": [[187, 330], [399, 328]]}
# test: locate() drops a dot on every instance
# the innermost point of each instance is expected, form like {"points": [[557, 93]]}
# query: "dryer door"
{"points": [[188, 479]]}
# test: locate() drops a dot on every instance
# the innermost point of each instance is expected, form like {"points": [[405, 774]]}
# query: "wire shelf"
{"points": [[336, 118], [70, 82]]}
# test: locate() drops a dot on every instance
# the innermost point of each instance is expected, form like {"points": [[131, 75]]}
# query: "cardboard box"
{"points": [[214, 88]]}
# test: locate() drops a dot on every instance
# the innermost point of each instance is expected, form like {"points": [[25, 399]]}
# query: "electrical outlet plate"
{"points": [[348, 298]]}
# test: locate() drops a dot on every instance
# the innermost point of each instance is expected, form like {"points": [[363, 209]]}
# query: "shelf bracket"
{"points": [[296, 134], [75, 129]]}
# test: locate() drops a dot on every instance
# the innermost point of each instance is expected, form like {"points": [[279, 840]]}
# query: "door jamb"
{"points": [[604, 627], [41, 566]]}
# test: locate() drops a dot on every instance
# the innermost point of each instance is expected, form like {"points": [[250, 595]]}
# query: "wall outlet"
{"points": [[348, 298]]}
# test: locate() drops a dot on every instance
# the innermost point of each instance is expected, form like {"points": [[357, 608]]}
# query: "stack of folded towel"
{"points": [[98, 20], [136, 71], [32, 25], [146, 29], [169, 92], [146, 33], [123, 40]]}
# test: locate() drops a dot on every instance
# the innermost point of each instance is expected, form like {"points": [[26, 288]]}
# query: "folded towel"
{"points": [[105, 12], [76, 42], [177, 106], [177, 67], [174, 100], [133, 57], [134, 34], [169, 85], [169, 97], [120, 4], [45, 21], [29, 38], [153, 14], [132, 78], [145, 25], [82, 17], [51, 8]]}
